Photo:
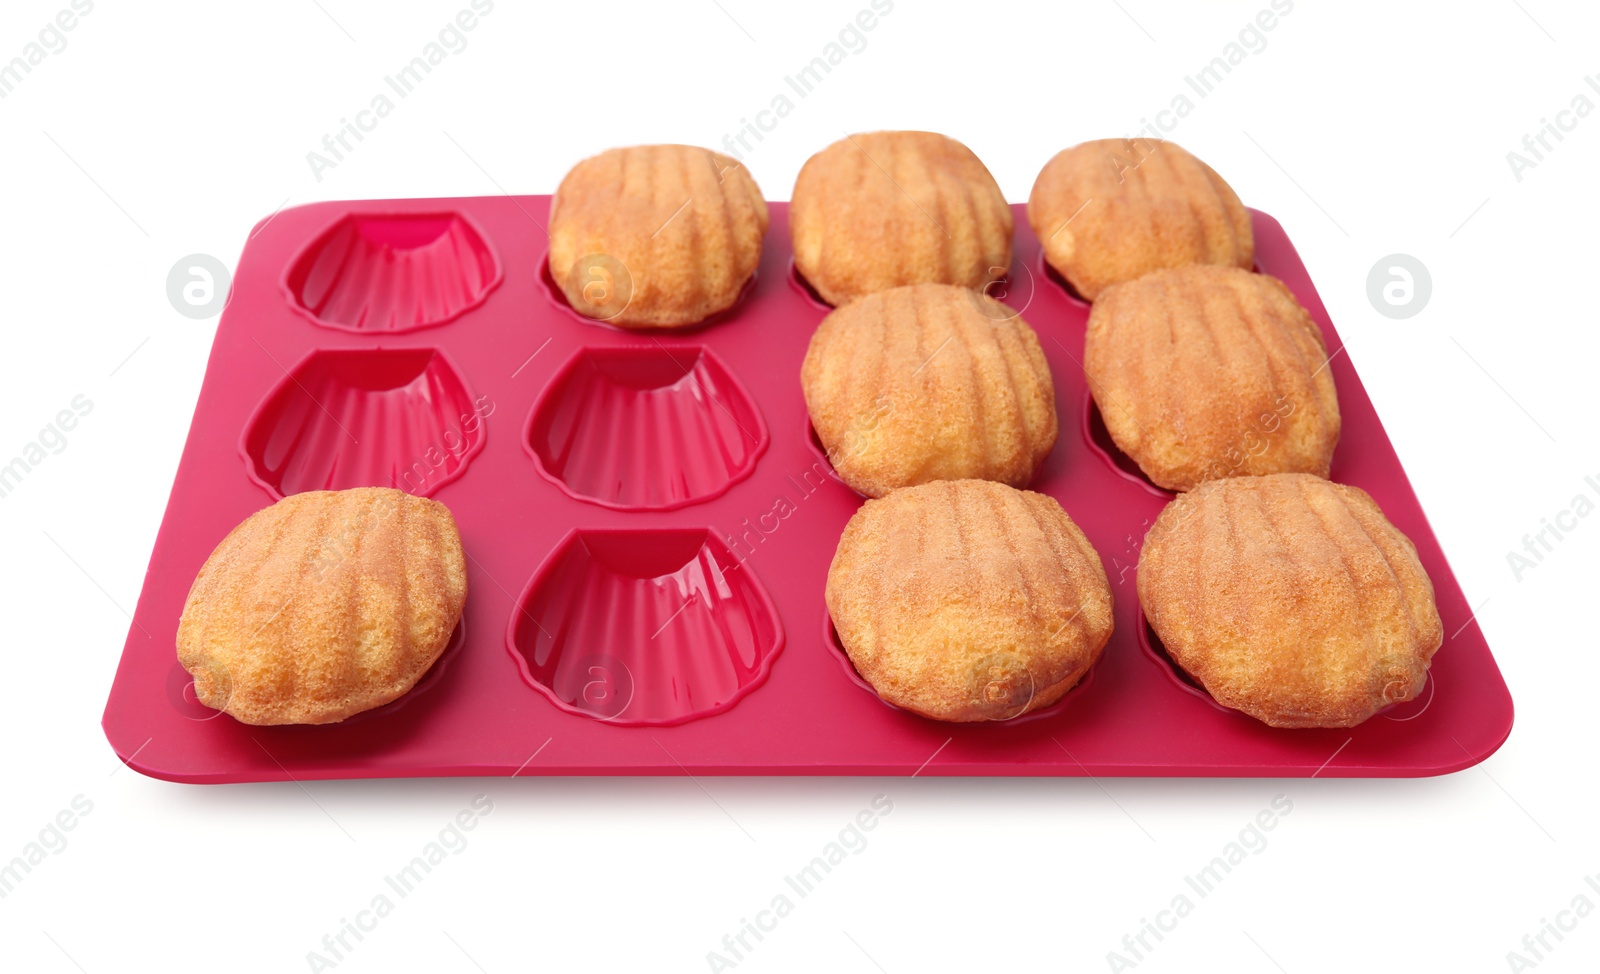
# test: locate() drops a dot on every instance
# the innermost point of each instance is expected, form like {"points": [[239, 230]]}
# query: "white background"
{"points": [[165, 129]]}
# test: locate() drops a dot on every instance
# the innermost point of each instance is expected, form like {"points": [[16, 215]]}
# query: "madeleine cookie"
{"points": [[1116, 209], [1204, 372], [655, 236], [1290, 598], [882, 209], [323, 605], [929, 382], [968, 600]]}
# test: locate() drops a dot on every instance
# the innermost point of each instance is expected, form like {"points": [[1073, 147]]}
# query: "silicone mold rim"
{"points": [[316, 240], [798, 281], [814, 444], [1087, 415], [257, 413], [552, 561], [1058, 280], [557, 386]]}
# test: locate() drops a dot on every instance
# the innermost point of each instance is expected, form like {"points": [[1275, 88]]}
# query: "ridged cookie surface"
{"points": [[655, 236], [323, 605], [1204, 372], [883, 209], [1115, 209], [929, 382], [1290, 598], [968, 600]]}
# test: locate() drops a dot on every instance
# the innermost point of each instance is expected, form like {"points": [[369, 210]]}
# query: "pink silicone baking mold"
{"points": [[649, 524]]}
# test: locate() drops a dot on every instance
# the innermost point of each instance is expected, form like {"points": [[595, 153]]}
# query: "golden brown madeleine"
{"points": [[1116, 209], [323, 605], [929, 382], [1204, 372], [655, 236], [968, 600], [1290, 598], [882, 209]]}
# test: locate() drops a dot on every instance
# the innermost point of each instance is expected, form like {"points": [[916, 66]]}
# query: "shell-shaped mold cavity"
{"points": [[645, 427], [392, 272], [639, 627], [358, 417]]}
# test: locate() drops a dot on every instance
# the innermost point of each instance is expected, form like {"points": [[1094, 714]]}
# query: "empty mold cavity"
{"points": [[645, 427], [641, 627], [392, 272], [358, 417], [1012, 715]]}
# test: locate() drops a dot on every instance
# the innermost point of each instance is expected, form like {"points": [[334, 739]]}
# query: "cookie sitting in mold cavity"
{"points": [[929, 382], [968, 600], [1116, 209], [1290, 598], [326, 604], [879, 210], [1204, 372], [655, 236]]}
